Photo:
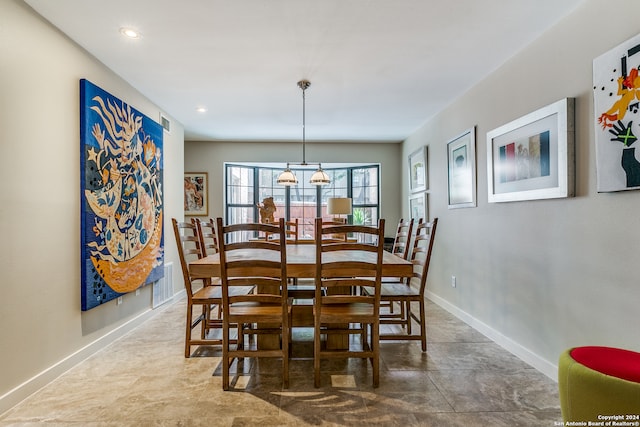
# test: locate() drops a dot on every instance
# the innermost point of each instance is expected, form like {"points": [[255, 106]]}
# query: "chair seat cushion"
{"points": [[615, 362], [255, 308], [215, 292], [343, 313], [392, 280], [393, 290]]}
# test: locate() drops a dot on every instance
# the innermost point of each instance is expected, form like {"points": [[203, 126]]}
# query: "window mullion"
{"points": [[287, 203], [256, 196]]}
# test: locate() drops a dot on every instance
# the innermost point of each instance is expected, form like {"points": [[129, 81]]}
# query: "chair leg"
{"points": [[408, 312], [402, 311], [423, 325], [316, 354], [365, 336], [285, 355], [240, 339], [204, 325], [225, 355], [375, 347], [290, 336], [187, 339]]}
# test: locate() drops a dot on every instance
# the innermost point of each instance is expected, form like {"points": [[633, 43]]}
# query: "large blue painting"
{"points": [[122, 241]]}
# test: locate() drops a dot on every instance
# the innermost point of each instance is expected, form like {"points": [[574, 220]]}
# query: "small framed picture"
{"points": [[418, 170], [461, 160], [195, 194], [419, 206], [533, 157]]}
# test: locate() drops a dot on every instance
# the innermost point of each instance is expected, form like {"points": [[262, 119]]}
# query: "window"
{"points": [[239, 198], [248, 185], [365, 191]]}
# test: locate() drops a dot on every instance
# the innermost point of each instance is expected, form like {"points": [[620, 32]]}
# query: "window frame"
{"points": [[256, 168]]}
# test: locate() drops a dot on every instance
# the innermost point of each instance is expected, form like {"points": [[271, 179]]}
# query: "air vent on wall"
{"points": [[166, 124], [162, 290]]}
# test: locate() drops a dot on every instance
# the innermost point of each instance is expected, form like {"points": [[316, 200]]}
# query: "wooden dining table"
{"points": [[301, 263]]}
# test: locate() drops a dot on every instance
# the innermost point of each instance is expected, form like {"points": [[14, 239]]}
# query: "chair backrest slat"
{"points": [[207, 236], [349, 263], [189, 249], [421, 253], [292, 230], [402, 239], [252, 262]]}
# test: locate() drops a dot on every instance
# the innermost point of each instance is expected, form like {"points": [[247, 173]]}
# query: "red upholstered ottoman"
{"points": [[600, 384]]}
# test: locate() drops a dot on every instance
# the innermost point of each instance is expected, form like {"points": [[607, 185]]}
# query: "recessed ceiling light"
{"points": [[130, 32], [201, 109]]}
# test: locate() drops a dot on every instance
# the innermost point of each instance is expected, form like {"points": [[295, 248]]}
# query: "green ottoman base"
{"points": [[600, 384]]}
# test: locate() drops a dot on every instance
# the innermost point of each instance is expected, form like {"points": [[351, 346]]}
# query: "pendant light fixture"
{"points": [[319, 177]]}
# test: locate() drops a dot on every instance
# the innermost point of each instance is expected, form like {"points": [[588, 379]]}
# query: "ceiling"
{"points": [[378, 68]]}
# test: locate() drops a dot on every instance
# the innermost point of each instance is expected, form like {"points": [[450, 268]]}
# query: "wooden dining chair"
{"points": [[413, 290], [340, 267], [206, 230], [402, 239], [260, 263], [337, 236], [207, 236], [291, 230], [401, 248], [199, 292]]}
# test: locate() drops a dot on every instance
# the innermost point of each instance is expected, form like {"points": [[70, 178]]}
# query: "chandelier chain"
{"points": [[304, 85], [319, 177]]}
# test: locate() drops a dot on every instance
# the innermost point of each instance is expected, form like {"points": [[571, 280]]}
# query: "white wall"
{"points": [[43, 329], [211, 156], [539, 276]]}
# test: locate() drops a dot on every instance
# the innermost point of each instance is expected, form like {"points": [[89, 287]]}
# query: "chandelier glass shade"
{"points": [[320, 177], [287, 177]]}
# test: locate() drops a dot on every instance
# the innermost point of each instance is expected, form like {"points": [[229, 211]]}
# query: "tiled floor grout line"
{"points": [[463, 379]]}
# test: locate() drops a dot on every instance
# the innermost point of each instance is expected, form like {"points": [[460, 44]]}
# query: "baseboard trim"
{"points": [[544, 366], [32, 385]]}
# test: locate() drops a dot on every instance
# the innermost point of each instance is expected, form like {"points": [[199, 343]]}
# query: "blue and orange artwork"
{"points": [[122, 242], [616, 94]]}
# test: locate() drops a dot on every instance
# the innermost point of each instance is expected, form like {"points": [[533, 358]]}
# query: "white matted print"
{"points": [[419, 206], [418, 170], [461, 162], [533, 157], [616, 96]]}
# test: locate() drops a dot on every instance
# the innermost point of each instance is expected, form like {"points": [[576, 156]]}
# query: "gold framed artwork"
{"points": [[196, 192]]}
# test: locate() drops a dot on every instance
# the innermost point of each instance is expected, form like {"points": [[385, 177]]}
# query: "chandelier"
{"points": [[319, 177]]}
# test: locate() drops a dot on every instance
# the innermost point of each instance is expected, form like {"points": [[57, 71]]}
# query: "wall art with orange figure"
{"points": [[616, 96]]}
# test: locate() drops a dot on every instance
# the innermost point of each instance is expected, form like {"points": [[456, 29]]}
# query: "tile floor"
{"points": [[143, 379]]}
